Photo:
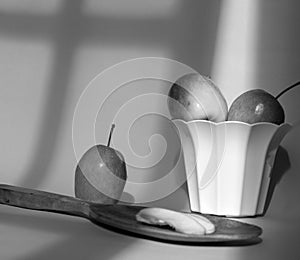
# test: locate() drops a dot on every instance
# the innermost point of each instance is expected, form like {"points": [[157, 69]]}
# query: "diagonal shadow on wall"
{"points": [[190, 34]]}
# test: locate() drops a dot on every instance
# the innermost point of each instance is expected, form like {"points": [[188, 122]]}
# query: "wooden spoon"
{"points": [[122, 218]]}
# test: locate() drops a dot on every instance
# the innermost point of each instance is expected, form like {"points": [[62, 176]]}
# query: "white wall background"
{"points": [[50, 50]]}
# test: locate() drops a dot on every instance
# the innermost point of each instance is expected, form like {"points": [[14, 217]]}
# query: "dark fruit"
{"points": [[255, 106]]}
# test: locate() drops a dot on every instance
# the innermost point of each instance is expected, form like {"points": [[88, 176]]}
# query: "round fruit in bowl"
{"points": [[194, 96], [255, 106]]}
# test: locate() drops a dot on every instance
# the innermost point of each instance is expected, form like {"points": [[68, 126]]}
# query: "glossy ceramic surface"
{"points": [[228, 164]]}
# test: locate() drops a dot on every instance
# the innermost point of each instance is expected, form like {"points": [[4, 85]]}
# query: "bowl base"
{"points": [[229, 216]]}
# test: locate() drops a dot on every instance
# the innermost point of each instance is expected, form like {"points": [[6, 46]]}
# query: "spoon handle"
{"points": [[42, 201]]}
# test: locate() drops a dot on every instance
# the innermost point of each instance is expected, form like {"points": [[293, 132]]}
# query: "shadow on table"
{"points": [[281, 165], [78, 240]]}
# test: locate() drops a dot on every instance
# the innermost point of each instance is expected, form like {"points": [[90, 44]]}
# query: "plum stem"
{"points": [[287, 89], [110, 134]]}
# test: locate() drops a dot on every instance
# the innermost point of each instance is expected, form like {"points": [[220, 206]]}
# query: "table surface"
{"points": [[27, 234], [33, 235]]}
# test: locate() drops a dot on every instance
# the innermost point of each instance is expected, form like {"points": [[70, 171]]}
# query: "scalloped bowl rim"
{"points": [[229, 122]]}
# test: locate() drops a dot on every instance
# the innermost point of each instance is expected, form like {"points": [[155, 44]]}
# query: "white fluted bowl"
{"points": [[228, 164]]}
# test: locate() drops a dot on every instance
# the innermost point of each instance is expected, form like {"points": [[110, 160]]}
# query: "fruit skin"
{"points": [[254, 106], [197, 98], [106, 164]]}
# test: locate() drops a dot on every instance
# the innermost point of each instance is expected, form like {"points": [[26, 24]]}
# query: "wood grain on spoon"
{"points": [[122, 218], [43, 201]]}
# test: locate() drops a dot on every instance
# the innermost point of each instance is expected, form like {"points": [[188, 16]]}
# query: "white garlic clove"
{"points": [[205, 222], [181, 222]]}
